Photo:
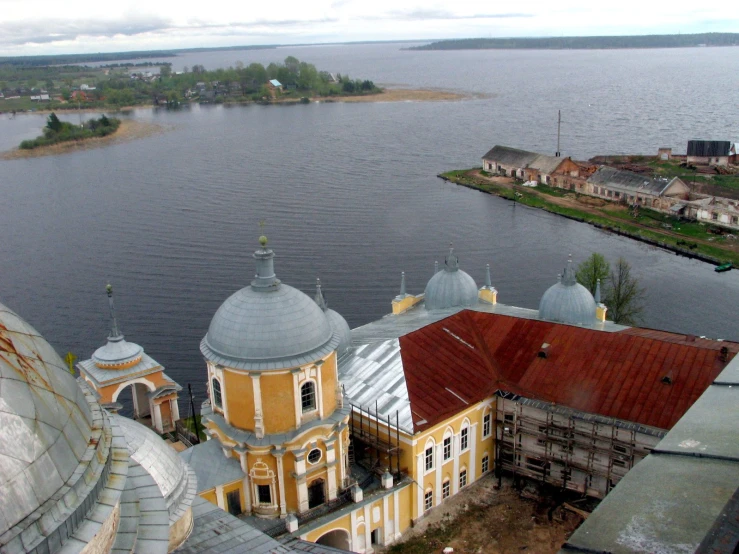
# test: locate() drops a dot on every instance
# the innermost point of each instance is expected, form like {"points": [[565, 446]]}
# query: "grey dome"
{"points": [[341, 328], [117, 352], [451, 287], [45, 421], [267, 322], [568, 301], [160, 461]]}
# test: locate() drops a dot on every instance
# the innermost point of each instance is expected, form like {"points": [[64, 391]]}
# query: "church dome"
{"points": [[267, 324], [451, 287], [568, 301], [339, 326], [172, 476], [45, 421]]}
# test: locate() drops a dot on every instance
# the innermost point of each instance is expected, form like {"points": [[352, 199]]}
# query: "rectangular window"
{"points": [[445, 490], [264, 494], [429, 458], [486, 425], [619, 463], [508, 418], [463, 478], [233, 501], [485, 464], [428, 500], [463, 439], [447, 448], [620, 449]]}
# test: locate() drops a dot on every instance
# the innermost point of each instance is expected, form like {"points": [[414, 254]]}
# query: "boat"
{"points": [[723, 267]]}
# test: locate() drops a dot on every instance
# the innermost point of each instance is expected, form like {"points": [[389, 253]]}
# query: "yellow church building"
{"points": [[345, 437]]}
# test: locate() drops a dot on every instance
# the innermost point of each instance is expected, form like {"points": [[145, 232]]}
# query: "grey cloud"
{"points": [[46, 31], [197, 24], [430, 14]]}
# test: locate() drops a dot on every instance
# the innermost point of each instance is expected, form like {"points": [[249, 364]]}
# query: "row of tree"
{"points": [[57, 131], [620, 290]]}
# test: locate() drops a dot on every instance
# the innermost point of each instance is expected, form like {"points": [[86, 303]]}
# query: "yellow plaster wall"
{"points": [[278, 402], [238, 392], [329, 381], [291, 488], [402, 304], [236, 485], [343, 522], [106, 392], [210, 496]]}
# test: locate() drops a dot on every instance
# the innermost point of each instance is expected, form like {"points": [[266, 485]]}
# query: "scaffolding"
{"points": [[549, 447], [379, 437]]}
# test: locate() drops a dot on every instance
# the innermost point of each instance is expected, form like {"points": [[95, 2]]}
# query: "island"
{"points": [[30, 86], [585, 43], [57, 131]]}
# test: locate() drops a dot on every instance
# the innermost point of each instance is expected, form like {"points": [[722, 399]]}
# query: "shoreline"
{"points": [[387, 95], [127, 131], [506, 189]]}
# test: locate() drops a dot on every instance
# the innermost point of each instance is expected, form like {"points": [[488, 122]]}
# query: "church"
{"points": [[346, 437], [325, 439]]}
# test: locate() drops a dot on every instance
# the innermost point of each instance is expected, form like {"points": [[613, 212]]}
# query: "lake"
{"points": [[348, 193]]}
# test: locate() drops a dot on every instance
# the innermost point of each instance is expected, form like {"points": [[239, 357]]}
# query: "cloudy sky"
{"points": [[71, 26]]}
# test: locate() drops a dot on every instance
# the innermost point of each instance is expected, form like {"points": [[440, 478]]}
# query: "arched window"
{"points": [[308, 396], [215, 385], [464, 435]]}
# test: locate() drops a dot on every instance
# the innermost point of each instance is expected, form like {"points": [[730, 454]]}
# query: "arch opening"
{"points": [[338, 538]]}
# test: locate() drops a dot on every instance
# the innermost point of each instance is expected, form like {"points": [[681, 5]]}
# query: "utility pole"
{"points": [[559, 125], [194, 415]]}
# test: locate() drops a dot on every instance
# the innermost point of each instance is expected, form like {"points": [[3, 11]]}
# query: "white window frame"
{"points": [[428, 500], [464, 437], [428, 455], [446, 489], [446, 448], [462, 477], [218, 405], [487, 424], [485, 463], [316, 400]]}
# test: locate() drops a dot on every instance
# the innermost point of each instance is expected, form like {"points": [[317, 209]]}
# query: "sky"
{"points": [[82, 26]]}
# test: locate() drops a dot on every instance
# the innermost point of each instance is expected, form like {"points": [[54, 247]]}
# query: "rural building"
{"points": [[634, 189], [723, 212], [274, 85], [520, 164], [572, 175], [711, 152]]}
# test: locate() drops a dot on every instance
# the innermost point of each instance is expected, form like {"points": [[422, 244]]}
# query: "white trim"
{"points": [[367, 530], [473, 448], [281, 482], [319, 392], [296, 397], [437, 485], [430, 443], [140, 380], [455, 471], [396, 515]]}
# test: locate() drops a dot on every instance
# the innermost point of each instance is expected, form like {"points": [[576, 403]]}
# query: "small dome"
{"points": [[45, 421], [160, 461], [450, 287], [117, 354], [266, 321], [341, 328], [568, 301]]}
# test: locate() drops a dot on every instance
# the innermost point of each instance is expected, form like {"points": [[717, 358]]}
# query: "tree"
{"points": [[54, 123], [594, 268], [624, 297], [165, 71]]}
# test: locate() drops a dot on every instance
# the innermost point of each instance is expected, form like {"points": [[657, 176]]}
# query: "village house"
{"points": [[711, 152], [520, 164], [634, 189], [274, 85], [723, 212], [572, 175]]}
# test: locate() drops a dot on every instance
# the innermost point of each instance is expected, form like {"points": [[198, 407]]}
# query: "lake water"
{"points": [[348, 193]]}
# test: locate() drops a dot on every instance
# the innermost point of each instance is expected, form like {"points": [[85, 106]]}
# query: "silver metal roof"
{"points": [[628, 181], [341, 329], [568, 301], [374, 374], [45, 421], [106, 376], [211, 465], [450, 287], [117, 351], [160, 461]]}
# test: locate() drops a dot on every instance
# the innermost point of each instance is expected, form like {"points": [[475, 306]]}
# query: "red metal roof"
{"points": [[466, 357]]}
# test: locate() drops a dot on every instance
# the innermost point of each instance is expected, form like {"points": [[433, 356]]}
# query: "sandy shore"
{"points": [[401, 95], [129, 130]]}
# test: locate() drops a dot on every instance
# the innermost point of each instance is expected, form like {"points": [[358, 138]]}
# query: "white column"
{"points": [[367, 530], [258, 414], [455, 470], [300, 481], [331, 467], [342, 467], [396, 515], [219, 497], [278, 453], [296, 396], [386, 537], [246, 483], [437, 485], [473, 454], [319, 392], [174, 409], [353, 530], [156, 418], [419, 471]]}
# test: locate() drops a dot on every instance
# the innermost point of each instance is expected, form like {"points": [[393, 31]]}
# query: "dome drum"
{"points": [[450, 287], [567, 301]]}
